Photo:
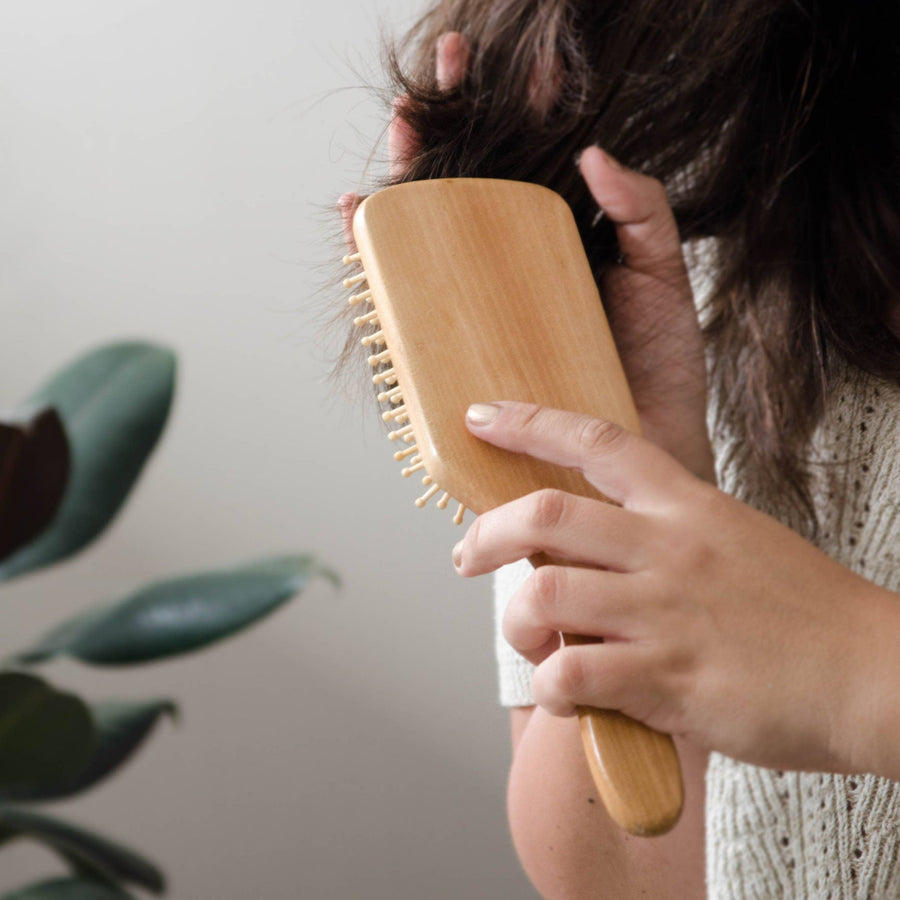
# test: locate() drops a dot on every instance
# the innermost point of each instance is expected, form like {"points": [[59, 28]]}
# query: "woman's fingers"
{"points": [[611, 675], [587, 602], [347, 204], [545, 83], [639, 208], [403, 143], [561, 525], [650, 308], [625, 467], [452, 59]]}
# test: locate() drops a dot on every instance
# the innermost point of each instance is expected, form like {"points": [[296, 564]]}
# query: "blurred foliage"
{"points": [[69, 458]]}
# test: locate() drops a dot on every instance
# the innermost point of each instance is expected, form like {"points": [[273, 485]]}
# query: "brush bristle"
{"points": [[397, 413]]}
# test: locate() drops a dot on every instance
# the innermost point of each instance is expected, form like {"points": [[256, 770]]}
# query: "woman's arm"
{"points": [[567, 843]]}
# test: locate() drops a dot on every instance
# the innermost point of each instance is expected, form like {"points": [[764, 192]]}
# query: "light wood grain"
{"points": [[483, 292]]}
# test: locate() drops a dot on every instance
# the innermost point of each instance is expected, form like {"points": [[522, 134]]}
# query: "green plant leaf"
{"points": [[121, 728], [34, 471], [113, 403], [178, 615], [45, 735], [78, 866], [86, 851], [68, 889]]}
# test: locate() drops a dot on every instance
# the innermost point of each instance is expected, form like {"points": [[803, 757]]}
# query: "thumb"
{"points": [[624, 467], [638, 207]]}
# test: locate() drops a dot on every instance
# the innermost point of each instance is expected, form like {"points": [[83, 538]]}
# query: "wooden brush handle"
{"points": [[482, 290], [635, 768]]}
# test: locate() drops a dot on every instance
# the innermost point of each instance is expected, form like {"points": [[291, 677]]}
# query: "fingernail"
{"points": [[456, 554], [482, 413], [612, 161], [344, 201]]}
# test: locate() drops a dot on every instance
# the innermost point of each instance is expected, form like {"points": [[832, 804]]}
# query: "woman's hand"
{"points": [[720, 624], [650, 306]]}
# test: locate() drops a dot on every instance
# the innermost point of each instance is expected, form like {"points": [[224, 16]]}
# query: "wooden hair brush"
{"points": [[479, 289]]}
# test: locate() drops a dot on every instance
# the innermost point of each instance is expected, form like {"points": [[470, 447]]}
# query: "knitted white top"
{"points": [[804, 836]]}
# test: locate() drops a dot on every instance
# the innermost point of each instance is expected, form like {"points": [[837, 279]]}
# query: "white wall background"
{"points": [[163, 169]]}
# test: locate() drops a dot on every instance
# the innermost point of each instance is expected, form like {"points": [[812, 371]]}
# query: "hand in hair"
{"points": [[647, 296], [650, 307], [450, 65], [451, 62]]}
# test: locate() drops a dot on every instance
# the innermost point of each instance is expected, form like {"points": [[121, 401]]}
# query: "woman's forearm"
{"points": [[569, 846], [870, 730]]}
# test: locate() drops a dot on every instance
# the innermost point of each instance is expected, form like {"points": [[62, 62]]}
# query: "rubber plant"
{"points": [[69, 457]]}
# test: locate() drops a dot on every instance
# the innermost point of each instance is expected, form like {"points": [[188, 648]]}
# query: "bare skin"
{"points": [[720, 625], [566, 841], [707, 606]]}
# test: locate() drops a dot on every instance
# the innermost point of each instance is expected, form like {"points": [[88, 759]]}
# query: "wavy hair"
{"points": [[775, 126]]}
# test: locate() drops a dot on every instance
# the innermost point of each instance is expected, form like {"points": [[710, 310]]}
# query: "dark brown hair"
{"points": [[774, 124]]}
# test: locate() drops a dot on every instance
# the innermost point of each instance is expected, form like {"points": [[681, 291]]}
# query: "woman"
{"points": [[745, 588]]}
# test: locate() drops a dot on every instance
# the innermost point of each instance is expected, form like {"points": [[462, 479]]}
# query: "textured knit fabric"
{"points": [[803, 836]]}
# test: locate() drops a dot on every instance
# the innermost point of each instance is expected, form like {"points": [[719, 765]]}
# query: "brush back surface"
{"points": [[482, 291]]}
